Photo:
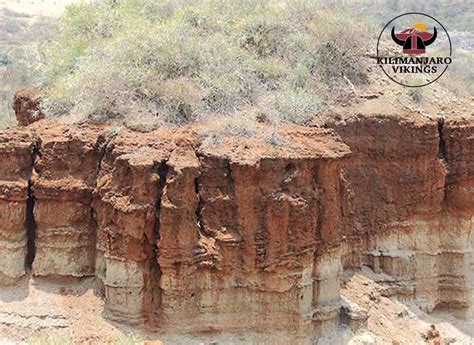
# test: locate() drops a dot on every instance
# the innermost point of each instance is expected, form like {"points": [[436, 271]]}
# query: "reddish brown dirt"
{"points": [[185, 238]]}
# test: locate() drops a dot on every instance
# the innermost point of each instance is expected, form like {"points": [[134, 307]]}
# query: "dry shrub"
{"points": [[177, 61]]}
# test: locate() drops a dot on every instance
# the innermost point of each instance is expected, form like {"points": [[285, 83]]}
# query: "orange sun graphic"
{"points": [[420, 26]]}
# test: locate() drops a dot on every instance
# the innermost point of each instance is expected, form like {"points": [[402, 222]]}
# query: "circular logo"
{"points": [[414, 49]]}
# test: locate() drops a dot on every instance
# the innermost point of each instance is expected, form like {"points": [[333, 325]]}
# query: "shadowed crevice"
{"points": [[442, 142], [101, 146], [163, 175], [152, 303], [30, 228], [30, 222], [200, 205]]}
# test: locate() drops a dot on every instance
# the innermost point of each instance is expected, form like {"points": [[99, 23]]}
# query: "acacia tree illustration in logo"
{"points": [[414, 40]]}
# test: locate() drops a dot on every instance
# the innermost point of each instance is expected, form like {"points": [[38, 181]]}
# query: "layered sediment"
{"points": [[243, 235], [408, 206], [65, 170], [255, 239], [16, 156]]}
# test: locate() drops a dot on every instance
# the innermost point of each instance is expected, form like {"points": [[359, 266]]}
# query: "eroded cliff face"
{"points": [[16, 152], [65, 169], [246, 237], [243, 235], [180, 236], [408, 206]]}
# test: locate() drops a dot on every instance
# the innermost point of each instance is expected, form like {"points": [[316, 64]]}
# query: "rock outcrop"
{"points": [[64, 178], [243, 235], [408, 206], [129, 188], [16, 157], [204, 238], [26, 105], [247, 237]]}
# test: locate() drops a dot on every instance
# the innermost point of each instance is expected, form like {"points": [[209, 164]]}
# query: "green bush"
{"points": [[176, 61]]}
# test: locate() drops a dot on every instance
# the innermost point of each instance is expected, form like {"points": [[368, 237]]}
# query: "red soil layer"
{"points": [[214, 238]]}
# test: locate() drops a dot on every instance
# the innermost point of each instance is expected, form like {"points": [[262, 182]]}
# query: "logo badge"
{"points": [[414, 49], [414, 40]]}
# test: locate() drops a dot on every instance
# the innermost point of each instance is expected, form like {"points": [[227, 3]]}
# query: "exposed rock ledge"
{"points": [[242, 235]]}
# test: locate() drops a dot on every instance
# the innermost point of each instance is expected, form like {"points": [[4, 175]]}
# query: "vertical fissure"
{"points": [[442, 142], [200, 205], [204, 253], [197, 190], [442, 155], [320, 209], [101, 147], [30, 228], [30, 222], [151, 305], [102, 143], [163, 174]]}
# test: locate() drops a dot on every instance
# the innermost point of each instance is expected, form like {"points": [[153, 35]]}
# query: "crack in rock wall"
{"points": [[408, 206], [255, 251], [129, 188], [16, 155]]}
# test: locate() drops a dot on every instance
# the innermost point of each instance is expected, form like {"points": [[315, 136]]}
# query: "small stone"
{"points": [[26, 104]]}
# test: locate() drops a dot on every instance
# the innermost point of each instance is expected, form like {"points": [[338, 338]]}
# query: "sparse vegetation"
{"points": [[174, 62], [169, 62]]}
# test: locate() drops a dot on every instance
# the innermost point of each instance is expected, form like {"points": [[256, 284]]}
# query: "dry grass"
{"points": [[172, 62]]}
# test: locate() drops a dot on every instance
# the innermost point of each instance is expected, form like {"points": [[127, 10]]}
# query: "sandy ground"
{"points": [[35, 310], [393, 322], [38, 311]]}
